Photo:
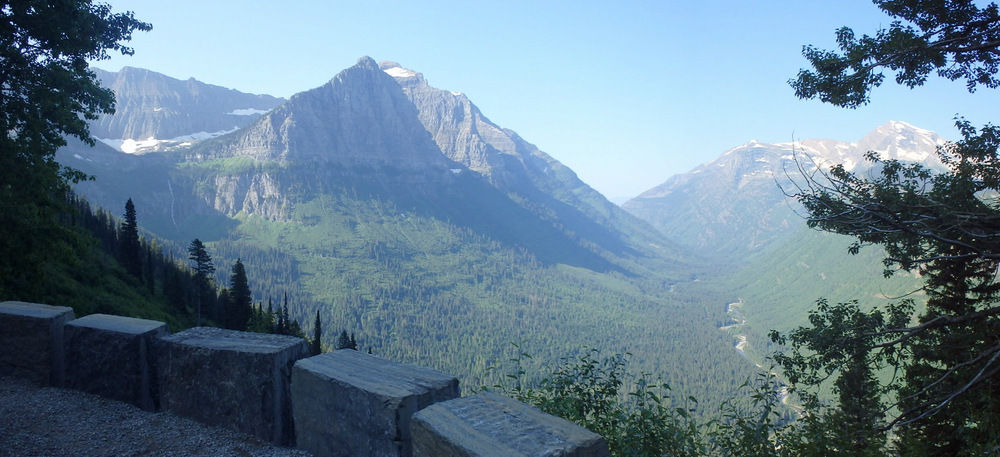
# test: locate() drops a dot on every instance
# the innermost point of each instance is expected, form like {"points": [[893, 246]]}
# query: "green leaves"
{"points": [[955, 38], [46, 95], [636, 415]]}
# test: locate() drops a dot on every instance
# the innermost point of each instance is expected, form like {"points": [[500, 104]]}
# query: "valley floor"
{"points": [[44, 421]]}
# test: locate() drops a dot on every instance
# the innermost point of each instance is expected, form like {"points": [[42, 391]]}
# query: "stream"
{"points": [[733, 310]]}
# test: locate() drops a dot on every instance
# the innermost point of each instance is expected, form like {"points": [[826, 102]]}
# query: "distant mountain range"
{"points": [[737, 205], [401, 212]]}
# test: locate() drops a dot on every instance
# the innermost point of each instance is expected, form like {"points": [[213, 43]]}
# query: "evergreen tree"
{"points": [[282, 327], [130, 250], [203, 271], [346, 342], [272, 318], [238, 311], [315, 345]]}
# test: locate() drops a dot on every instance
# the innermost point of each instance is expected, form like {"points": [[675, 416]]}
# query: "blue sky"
{"points": [[625, 93]]}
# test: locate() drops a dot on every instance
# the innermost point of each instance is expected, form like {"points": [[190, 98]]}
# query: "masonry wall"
{"points": [[338, 404]]}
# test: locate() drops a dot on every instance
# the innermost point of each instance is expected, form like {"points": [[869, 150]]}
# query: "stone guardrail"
{"points": [[342, 403]]}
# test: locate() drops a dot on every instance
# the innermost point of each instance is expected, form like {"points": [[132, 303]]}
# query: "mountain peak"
{"points": [[366, 62], [361, 116], [900, 140]]}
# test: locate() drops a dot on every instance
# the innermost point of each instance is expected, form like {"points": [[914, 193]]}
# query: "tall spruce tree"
{"points": [[130, 250], [203, 271], [315, 345], [48, 95], [240, 302]]}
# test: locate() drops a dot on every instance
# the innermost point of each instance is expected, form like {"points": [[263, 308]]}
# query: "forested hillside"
{"points": [[425, 259]]}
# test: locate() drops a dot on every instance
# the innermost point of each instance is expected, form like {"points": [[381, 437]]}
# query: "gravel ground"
{"points": [[44, 421]]}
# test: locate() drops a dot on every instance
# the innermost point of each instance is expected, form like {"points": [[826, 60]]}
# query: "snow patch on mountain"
{"points": [[131, 146], [247, 112], [400, 72]]}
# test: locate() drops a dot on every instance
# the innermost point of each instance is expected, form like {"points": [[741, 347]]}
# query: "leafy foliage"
{"points": [[942, 225], [751, 428], [634, 414], [47, 94], [955, 38]]}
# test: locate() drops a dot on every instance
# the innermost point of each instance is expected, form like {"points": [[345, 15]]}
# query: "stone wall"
{"points": [[343, 403]]}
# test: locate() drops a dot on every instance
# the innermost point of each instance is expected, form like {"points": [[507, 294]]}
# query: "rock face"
{"points": [[361, 117], [151, 105], [351, 404], [31, 341], [488, 424], [232, 379], [517, 167], [115, 357]]}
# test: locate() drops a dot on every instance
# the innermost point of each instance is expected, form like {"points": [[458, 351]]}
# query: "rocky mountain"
{"points": [[736, 205], [518, 168], [402, 213], [155, 111]]}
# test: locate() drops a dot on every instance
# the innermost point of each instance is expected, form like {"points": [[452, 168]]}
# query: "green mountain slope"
{"points": [[342, 199]]}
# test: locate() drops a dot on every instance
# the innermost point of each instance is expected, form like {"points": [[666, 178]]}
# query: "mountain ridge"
{"points": [[400, 210], [155, 111], [737, 205]]}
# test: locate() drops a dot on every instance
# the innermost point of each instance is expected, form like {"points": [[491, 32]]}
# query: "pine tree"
{"points": [[173, 286], [315, 345], [130, 251], [238, 309], [346, 342], [203, 270], [940, 224]]}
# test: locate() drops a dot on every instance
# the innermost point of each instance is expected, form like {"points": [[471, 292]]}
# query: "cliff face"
{"points": [[516, 167], [361, 117], [154, 111]]}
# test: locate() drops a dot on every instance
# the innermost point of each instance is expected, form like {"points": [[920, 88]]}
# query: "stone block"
{"points": [[493, 425], [347, 403], [237, 380], [31, 341], [115, 357]]}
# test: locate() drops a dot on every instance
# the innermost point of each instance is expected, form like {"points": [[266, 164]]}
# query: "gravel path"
{"points": [[44, 421]]}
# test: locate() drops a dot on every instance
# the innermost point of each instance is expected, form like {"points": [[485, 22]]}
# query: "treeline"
{"points": [[152, 279]]}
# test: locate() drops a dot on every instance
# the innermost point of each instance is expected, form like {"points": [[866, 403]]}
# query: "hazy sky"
{"points": [[625, 93]]}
